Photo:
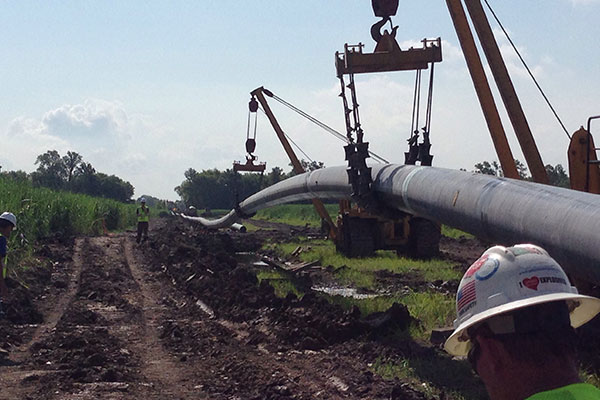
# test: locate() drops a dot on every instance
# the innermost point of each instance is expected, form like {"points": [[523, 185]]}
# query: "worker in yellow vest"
{"points": [[8, 222], [143, 217], [516, 319]]}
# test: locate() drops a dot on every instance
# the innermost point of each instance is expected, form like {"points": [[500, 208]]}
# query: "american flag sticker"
{"points": [[466, 295]]}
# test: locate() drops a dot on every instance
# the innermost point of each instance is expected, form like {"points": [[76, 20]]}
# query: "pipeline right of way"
{"points": [[500, 210]]}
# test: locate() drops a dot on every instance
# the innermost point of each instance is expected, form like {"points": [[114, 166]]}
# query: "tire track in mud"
{"points": [[158, 366], [12, 376], [240, 355], [83, 355], [101, 337]]}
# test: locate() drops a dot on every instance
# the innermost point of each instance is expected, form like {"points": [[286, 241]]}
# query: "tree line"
{"points": [[70, 172], [216, 189], [557, 176]]}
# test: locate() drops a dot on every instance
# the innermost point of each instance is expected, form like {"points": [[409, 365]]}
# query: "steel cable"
{"points": [[527, 68]]}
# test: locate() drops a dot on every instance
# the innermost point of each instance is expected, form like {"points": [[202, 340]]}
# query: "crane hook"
{"points": [[376, 29]]}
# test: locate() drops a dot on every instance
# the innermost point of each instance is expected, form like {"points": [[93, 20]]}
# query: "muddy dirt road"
{"points": [[180, 317], [118, 321]]}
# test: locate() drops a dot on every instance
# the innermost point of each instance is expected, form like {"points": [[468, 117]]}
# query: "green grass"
{"points": [[280, 282], [360, 272], [436, 376], [250, 227], [42, 212], [455, 233], [296, 214], [430, 309]]}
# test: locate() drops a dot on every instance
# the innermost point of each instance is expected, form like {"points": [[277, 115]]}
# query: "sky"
{"points": [[148, 89]]}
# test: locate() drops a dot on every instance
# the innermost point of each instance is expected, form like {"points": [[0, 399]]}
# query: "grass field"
{"points": [[434, 309], [43, 213], [296, 214]]}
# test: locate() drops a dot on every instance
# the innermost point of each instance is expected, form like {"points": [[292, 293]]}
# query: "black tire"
{"points": [[424, 238], [357, 237]]}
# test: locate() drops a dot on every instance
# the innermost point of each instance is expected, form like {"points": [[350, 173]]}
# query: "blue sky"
{"points": [[146, 90]]}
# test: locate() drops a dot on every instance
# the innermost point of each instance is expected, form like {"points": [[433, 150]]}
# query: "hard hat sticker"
{"points": [[531, 283], [476, 266], [465, 296], [487, 270]]}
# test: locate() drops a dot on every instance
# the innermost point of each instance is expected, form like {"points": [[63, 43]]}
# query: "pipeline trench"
{"points": [[181, 317]]}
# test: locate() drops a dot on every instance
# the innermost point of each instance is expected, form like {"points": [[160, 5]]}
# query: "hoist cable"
{"points": [[291, 141], [255, 122], [429, 102], [248, 128], [527, 68], [298, 147], [325, 127], [312, 119], [414, 125]]}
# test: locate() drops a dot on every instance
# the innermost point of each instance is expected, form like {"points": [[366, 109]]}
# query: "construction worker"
{"points": [[8, 222], [516, 314], [143, 217]]}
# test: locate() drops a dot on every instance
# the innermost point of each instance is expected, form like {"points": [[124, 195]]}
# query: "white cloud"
{"points": [[130, 146], [87, 119]]}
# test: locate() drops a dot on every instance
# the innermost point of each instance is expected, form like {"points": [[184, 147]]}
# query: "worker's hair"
{"points": [[542, 334], [5, 223]]}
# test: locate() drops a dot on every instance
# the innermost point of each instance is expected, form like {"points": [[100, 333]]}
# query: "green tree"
{"points": [[495, 169], [71, 161], [113, 187], [51, 171], [487, 168], [71, 172], [558, 176]]}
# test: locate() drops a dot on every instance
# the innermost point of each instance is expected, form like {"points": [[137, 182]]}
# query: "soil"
{"points": [[180, 317]]}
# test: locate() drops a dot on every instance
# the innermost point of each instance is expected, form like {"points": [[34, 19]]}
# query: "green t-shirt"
{"points": [[576, 391]]}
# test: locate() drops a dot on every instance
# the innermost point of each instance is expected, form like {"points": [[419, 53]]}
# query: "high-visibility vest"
{"points": [[576, 391], [4, 270], [142, 214]]}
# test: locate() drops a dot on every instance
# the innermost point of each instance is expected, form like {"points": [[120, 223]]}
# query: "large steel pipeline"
{"points": [[563, 221]]}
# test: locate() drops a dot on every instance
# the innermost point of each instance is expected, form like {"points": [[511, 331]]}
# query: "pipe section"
{"points": [[502, 210]]}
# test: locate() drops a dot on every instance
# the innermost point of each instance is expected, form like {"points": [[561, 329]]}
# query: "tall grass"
{"points": [[43, 213], [296, 214]]}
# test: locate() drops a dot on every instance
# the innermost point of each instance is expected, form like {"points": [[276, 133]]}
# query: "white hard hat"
{"points": [[10, 217], [508, 279], [192, 208], [143, 200]]}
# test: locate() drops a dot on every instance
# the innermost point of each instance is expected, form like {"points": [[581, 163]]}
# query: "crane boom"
{"points": [[298, 169], [482, 88], [507, 91]]}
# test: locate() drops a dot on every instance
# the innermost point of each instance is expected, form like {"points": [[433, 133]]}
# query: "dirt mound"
{"points": [[201, 262]]}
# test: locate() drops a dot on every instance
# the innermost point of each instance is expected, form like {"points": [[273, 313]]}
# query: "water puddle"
{"points": [[344, 292]]}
